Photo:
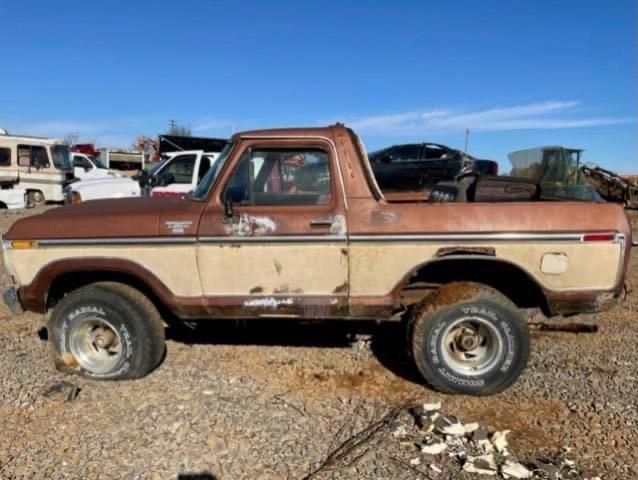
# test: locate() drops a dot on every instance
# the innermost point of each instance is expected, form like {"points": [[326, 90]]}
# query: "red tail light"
{"points": [[599, 237]]}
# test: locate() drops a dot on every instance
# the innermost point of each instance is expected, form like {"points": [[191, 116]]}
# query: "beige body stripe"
{"points": [[322, 267]]}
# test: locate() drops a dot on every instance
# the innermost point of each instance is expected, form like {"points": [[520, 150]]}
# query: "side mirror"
{"points": [[228, 207], [87, 168], [386, 159]]}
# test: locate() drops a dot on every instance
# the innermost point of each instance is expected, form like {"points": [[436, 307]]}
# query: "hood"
{"points": [[112, 218], [87, 183]]}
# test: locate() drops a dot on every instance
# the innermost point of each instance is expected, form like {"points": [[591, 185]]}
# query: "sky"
{"points": [[517, 74]]}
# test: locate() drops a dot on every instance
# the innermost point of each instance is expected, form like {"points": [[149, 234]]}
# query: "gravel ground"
{"points": [[272, 399]]}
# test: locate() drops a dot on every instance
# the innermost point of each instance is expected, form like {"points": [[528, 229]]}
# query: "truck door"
{"points": [[178, 176], [272, 240]]}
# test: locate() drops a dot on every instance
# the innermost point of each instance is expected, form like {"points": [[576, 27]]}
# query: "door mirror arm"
{"points": [[228, 208]]}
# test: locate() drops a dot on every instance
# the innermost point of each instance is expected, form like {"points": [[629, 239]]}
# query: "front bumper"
{"points": [[12, 300]]}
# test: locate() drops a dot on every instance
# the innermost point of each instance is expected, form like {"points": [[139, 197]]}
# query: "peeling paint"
{"points": [[338, 226], [343, 288], [249, 225], [256, 290], [384, 217], [268, 302]]}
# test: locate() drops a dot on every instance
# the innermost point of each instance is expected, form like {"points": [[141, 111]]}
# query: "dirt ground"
{"points": [[267, 399]]}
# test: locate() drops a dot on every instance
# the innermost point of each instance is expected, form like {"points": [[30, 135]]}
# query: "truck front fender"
{"points": [[67, 274]]}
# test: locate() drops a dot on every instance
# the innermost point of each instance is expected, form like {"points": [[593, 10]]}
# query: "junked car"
{"points": [[178, 174], [86, 167], [290, 223], [175, 177], [420, 166]]}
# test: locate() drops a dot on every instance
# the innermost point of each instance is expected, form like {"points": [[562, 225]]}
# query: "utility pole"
{"points": [[171, 125], [467, 136]]}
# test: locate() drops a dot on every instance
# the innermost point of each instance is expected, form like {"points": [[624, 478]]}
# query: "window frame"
{"points": [[31, 147], [173, 160], [10, 151], [292, 144], [86, 162]]}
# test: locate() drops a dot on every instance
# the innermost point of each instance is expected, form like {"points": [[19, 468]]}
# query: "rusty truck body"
{"points": [[291, 223]]}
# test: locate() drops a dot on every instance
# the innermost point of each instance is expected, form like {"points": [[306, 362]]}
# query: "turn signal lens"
{"points": [[76, 197], [24, 244], [598, 237]]}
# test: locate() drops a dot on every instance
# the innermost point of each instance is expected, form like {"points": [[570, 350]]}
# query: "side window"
{"points": [[5, 157], [33, 156], [406, 153], [434, 152], [204, 166], [180, 168], [281, 177], [81, 162]]}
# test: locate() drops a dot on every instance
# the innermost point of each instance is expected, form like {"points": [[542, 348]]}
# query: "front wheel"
{"points": [[469, 338], [107, 331]]}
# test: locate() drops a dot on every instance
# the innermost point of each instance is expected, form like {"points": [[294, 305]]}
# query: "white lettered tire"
{"points": [[468, 338], [107, 331]]}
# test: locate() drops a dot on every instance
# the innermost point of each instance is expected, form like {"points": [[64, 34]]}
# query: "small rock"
{"points": [[400, 431], [415, 461], [435, 468], [471, 427], [449, 425], [434, 447], [481, 465], [499, 440], [431, 407], [515, 469]]}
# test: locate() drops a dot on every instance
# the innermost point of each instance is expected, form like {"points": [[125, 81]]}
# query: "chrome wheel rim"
{"points": [[471, 346], [96, 345]]}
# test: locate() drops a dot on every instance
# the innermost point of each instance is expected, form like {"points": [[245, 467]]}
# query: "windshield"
{"points": [[60, 154], [156, 166], [204, 186], [98, 163]]}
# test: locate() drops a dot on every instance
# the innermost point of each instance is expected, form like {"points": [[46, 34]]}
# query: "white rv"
{"points": [[40, 166]]}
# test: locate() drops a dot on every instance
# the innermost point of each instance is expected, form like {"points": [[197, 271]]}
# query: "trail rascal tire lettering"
{"points": [[468, 338], [107, 331]]}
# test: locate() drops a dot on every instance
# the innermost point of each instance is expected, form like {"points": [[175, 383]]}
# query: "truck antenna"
{"points": [[467, 137]]}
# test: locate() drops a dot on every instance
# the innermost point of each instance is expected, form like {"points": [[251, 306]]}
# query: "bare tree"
{"points": [[175, 128], [71, 138]]}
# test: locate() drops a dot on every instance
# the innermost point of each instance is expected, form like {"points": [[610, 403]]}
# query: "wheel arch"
{"points": [[63, 276], [509, 278]]}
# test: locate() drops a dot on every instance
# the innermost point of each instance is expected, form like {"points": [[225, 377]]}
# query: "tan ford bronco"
{"points": [[290, 223]]}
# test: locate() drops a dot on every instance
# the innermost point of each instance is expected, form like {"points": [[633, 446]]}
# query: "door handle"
{"points": [[321, 222]]}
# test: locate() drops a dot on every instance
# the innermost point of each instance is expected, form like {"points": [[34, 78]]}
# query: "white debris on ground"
{"points": [[441, 438]]}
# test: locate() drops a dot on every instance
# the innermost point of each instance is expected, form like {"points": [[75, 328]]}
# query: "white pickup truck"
{"points": [[174, 177], [87, 167]]}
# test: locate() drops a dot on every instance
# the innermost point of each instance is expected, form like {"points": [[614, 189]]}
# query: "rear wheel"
{"points": [[34, 198], [469, 338], [107, 331]]}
